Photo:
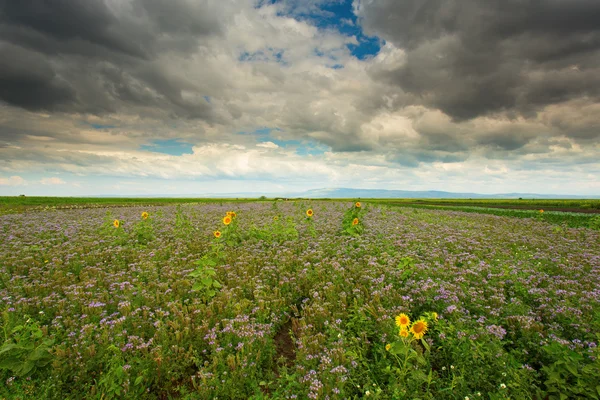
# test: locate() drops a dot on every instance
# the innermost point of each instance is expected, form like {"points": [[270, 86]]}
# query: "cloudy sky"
{"points": [[206, 96]]}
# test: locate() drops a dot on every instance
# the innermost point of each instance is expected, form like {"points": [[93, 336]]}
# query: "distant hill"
{"points": [[345, 193]]}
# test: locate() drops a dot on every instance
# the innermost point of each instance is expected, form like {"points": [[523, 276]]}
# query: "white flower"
{"points": [[502, 386]]}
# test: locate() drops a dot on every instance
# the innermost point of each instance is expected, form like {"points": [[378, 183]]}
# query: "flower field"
{"points": [[296, 300]]}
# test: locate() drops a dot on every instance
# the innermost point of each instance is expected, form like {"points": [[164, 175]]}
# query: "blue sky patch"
{"points": [[264, 56], [260, 132], [339, 15], [172, 147], [99, 127]]}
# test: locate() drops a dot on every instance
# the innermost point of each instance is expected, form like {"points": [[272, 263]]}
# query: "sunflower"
{"points": [[116, 223], [227, 220], [231, 214], [144, 215], [403, 333], [388, 347], [402, 321], [275, 218], [309, 212], [217, 234], [541, 211], [355, 221], [357, 204], [419, 328]]}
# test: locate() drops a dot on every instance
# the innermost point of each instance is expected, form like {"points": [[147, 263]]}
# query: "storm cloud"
{"points": [[100, 56], [471, 58]]}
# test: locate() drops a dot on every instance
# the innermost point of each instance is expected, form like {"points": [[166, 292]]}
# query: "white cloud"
{"points": [[12, 181], [52, 181]]}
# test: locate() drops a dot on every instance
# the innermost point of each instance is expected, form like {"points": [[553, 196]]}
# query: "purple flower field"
{"points": [[300, 309]]}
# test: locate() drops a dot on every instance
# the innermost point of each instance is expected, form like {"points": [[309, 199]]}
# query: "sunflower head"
{"points": [[309, 213], [419, 328], [357, 204], [276, 218], [144, 215], [541, 211], [231, 214], [116, 223], [403, 333], [217, 234], [355, 221], [227, 220], [402, 321], [388, 347]]}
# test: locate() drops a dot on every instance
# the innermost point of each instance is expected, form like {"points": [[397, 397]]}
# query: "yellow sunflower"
{"points": [[402, 321], [116, 223], [403, 333], [309, 212], [275, 218], [541, 211], [355, 221], [227, 220], [231, 214], [357, 204], [144, 215], [419, 328], [217, 234], [388, 347]]}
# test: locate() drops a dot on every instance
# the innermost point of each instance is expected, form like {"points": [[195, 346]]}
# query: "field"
{"points": [[110, 303]]}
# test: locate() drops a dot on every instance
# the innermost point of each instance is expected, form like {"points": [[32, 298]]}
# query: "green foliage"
{"points": [[352, 223], [279, 231], [143, 231], [204, 275], [594, 223], [110, 384], [25, 349], [183, 223], [114, 233], [570, 375]]}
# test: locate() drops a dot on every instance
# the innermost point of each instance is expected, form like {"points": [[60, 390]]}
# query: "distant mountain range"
{"points": [[429, 194], [347, 193]]}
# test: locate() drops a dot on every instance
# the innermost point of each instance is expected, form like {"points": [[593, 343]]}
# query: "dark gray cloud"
{"points": [[28, 80], [99, 56], [476, 57]]}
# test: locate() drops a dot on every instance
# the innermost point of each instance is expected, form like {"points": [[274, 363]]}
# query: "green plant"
{"points": [[183, 224], [24, 349], [570, 375], [111, 383], [204, 275], [352, 223], [594, 223], [143, 230], [112, 229]]}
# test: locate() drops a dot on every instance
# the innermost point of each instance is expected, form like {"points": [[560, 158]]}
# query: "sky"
{"points": [[143, 97]]}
